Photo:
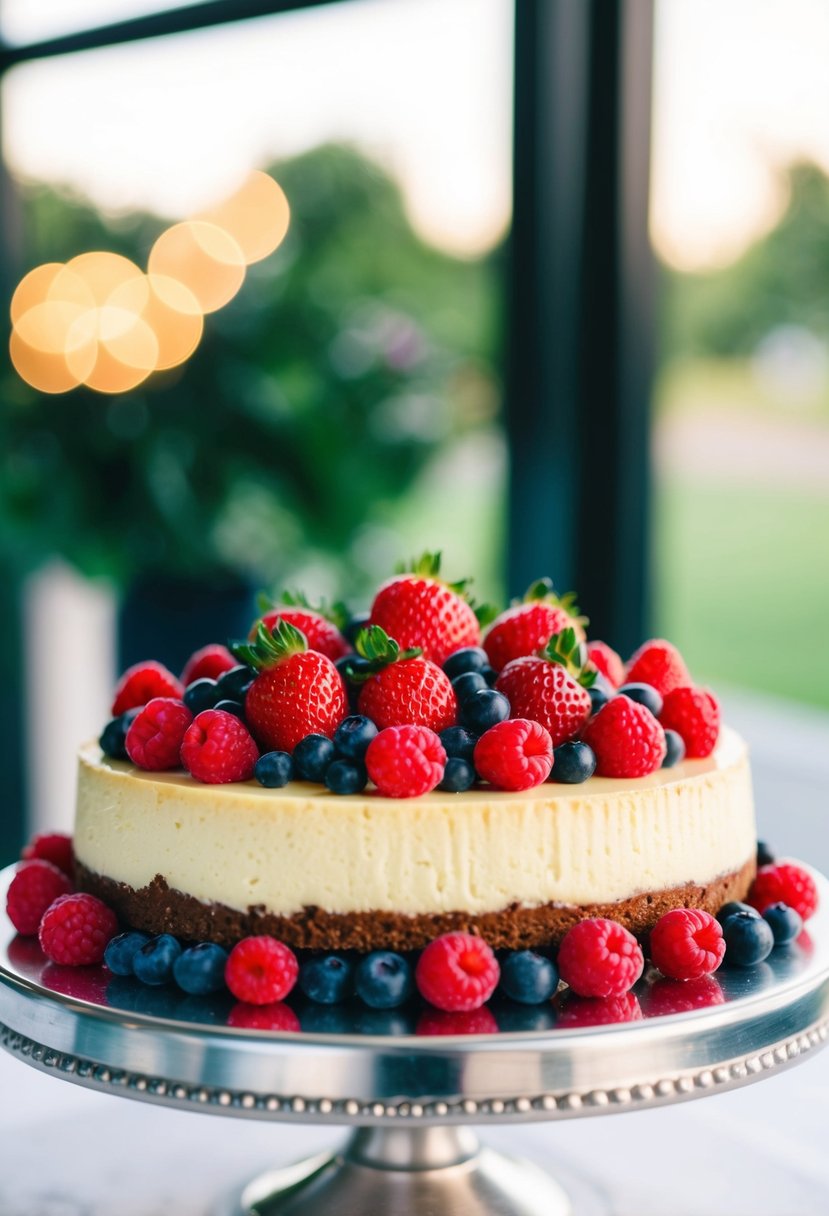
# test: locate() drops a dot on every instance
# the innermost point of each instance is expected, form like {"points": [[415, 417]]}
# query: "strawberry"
{"points": [[208, 663], [320, 626], [401, 688], [627, 739], [418, 609], [551, 688], [298, 691], [694, 713], [659, 664], [607, 662], [526, 628]]}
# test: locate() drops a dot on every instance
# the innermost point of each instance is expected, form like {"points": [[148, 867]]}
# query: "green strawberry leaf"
{"points": [[378, 650], [541, 589], [566, 649], [427, 565], [269, 648], [486, 613]]}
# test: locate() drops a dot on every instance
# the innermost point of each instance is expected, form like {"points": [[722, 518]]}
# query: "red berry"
{"points": [[139, 684], [52, 846], [687, 943], [605, 659], [694, 713], [601, 958], [457, 972], [261, 970], [546, 693], [155, 735], [659, 664], [410, 692], [35, 886], [217, 748], [76, 929], [470, 1021], [785, 882], [207, 664], [576, 1012], [526, 628], [682, 996], [405, 761], [417, 609], [322, 635], [627, 739], [514, 755], [276, 1016]]}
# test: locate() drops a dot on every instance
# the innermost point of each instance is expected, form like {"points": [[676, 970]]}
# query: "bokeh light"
{"points": [[256, 216], [202, 256], [170, 310], [47, 372]]}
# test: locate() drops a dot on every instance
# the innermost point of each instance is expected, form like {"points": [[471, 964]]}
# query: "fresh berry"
{"points": [[233, 685], [551, 688], [153, 962], [121, 951], [607, 662], [627, 739], [526, 628], [276, 1016], [321, 634], [114, 735], [468, 658], [444, 1021], [674, 749], [142, 683], [576, 1012], [207, 664], [201, 695], [383, 980], [155, 737], [490, 675], [35, 886], [353, 735], [748, 939], [261, 970], [312, 756], [484, 709], [405, 761], [346, 777], [75, 930], [643, 694], [659, 664], [200, 970], [786, 924], [514, 755], [418, 609], [765, 854], [457, 972], [787, 883], [528, 978], [694, 713], [231, 707], [686, 943], [404, 688], [218, 748], [468, 684], [600, 693], [458, 743], [600, 958], [52, 846], [732, 908], [573, 763], [664, 997], [327, 979], [459, 775], [274, 769]]}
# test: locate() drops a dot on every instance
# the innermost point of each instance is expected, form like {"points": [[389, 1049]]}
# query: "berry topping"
{"points": [[600, 958], [234, 684], [607, 662], [276, 1016], [312, 756], [76, 929], [459, 775], [469, 658], [114, 735], [207, 664], [156, 734], [121, 951], [733, 906], [514, 755], [785, 923], [153, 962], [551, 688], [687, 943], [659, 664], [418, 609], [457, 972], [458, 743], [327, 978], [231, 707], [201, 695], [765, 854], [218, 748], [383, 980], [576, 1012], [201, 969], [353, 735], [346, 777], [485, 708], [600, 694], [274, 769], [467, 684], [748, 939], [52, 846], [627, 739], [674, 749], [643, 694], [526, 628], [694, 713], [528, 978], [261, 970], [322, 633], [665, 996], [573, 763], [141, 683], [405, 761], [402, 688], [443, 1022], [784, 882], [35, 886]]}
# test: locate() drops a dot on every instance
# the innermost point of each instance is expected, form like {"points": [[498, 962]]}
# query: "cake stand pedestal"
{"points": [[411, 1099]]}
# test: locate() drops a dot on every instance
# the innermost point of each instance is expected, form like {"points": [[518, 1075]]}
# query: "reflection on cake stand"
{"points": [[411, 1099]]}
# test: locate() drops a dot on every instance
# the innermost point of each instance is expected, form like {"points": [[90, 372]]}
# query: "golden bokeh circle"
{"points": [[256, 216], [204, 258], [48, 372]]}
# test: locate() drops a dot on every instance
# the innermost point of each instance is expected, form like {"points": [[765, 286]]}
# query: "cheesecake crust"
{"points": [[157, 908]]}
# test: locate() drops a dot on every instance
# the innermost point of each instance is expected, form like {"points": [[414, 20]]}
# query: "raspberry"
{"points": [[785, 882], [457, 972], [514, 755], [52, 846], [600, 958], [155, 735], [275, 1016], [694, 713], [76, 929], [405, 761], [682, 996], [140, 683], [687, 943], [659, 664], [578, 1011], [606, 661], [627, 739], [261, 970], [218, 748], [470, 1021], [207, 664], [35, 886]]}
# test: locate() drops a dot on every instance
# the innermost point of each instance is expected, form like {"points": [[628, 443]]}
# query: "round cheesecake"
{"points": [[319, 871]]}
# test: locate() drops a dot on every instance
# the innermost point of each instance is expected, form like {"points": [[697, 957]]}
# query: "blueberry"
{"points": [[490, 675], [153, 963], [274, 769], [674, 749], [785, 922], [346, 777], [528, 978], [312, 756], [732, 908], [233, 684], [122, 950], [483, 709], [201, 969], [765, 856], [231, 707], [573, 763], [384, 980], [383, 1021], [643, 694], [599, 697], [467, 684], [357, 622], [327, 979], [471, 658], [748, 939], [114, 735], [512, 1016], [327, 1019], [200, 695], [458, 743], [353, 735], [344, 666], [458, 776]]}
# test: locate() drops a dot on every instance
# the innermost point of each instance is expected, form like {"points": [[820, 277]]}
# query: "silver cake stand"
{"points": [[410, 1098]]}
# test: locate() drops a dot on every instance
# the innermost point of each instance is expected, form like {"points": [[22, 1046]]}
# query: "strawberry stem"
{"points": [[566, 649], [378, 650], [269, 648]]}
